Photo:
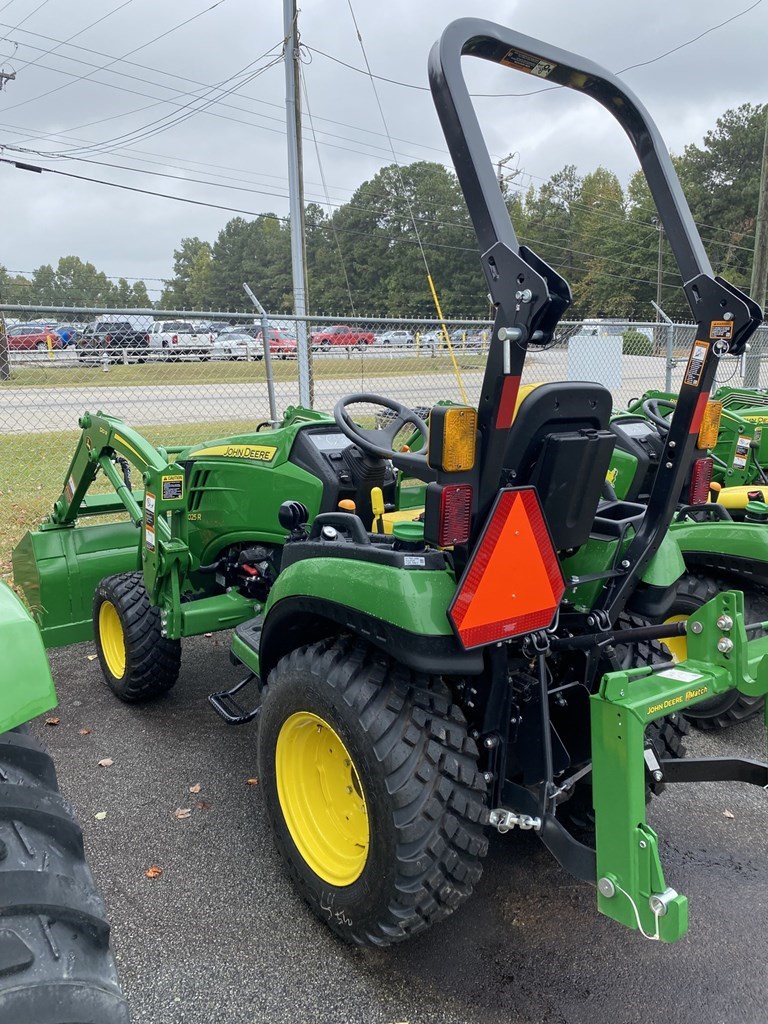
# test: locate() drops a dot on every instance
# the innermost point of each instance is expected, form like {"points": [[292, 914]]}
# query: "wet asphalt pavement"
{"points": [[220, 937]]}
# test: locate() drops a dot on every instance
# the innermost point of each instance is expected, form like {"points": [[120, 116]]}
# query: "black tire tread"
{"points": [[437, 792], [55, 962], [152, 660]]}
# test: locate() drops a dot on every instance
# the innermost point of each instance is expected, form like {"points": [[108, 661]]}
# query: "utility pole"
{"points": [[5, 77], [296, 194], [659, 283], [757, 285]]}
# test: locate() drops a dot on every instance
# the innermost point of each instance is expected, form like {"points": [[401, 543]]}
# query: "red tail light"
{"points": [[175, 339], [701, 478], [455, 515], [107, 339]]}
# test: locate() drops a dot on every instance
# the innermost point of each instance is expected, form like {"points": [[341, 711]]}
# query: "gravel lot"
{"points": [[221, 937]]}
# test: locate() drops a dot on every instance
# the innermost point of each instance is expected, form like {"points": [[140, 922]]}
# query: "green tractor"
{"points": [[446, 636], [719, 551], [55, 962]]}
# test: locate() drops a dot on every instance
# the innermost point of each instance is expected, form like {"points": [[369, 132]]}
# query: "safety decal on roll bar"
{"points": [[696, 360], [529, 63], [721, 330]]}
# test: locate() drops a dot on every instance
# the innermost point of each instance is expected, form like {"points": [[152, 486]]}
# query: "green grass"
{"points": [[155, 373], [33, 466]]}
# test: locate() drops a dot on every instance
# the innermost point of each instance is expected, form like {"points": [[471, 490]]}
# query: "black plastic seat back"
{"points": [[560, 444]]}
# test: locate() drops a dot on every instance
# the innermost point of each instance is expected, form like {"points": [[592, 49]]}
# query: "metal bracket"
{"points": [[503, 821]]}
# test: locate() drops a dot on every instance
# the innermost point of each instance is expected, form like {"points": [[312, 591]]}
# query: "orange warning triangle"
{"points": [[513, 584]]}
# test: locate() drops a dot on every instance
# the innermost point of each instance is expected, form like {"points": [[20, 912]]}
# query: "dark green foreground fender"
{"points": [[26, 686], [55, 963]]}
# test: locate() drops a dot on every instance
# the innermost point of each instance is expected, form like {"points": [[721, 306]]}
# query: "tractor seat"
{"points": [[560, 444]]}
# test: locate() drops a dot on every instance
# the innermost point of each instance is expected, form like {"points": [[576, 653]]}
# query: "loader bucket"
{"points": [[58, 570]]}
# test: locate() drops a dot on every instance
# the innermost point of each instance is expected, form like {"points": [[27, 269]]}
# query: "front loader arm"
{"points": [[104, 439], [159, 511]]}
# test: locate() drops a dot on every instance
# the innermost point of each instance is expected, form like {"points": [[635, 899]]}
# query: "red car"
{"points": [[341, 334], [32, 336], [281, 345]]}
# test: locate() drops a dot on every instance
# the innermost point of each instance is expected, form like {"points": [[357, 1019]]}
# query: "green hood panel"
{"points": [[26, 686], [740, 540]]}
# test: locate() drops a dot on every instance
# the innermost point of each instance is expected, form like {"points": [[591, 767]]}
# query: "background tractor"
{"points": [[435, 659]]}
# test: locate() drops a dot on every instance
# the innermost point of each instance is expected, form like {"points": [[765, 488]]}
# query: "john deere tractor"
{"points": [[427, 672]]}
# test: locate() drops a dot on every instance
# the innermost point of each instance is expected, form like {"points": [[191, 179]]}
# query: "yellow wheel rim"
{"points": [[678, 645], [322, 799], [112, 639]]}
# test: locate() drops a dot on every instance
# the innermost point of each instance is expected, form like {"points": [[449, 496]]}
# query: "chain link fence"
{"points": [[184, 376]]}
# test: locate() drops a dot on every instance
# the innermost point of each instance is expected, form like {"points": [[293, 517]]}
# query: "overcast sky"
{"points": [[115, 89]]}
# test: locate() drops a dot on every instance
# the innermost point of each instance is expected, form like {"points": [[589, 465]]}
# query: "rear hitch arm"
{"points": [[631, 884]]}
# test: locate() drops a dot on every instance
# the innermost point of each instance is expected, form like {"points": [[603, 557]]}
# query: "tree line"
{"points": [[369, 256]]}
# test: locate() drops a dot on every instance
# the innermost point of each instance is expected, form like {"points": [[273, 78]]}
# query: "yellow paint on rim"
{"points": [[112, 639], [678, 645], [322, 799]]}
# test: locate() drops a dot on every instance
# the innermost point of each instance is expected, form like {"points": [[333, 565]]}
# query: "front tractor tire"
{"points": [[372, 789], [726, 709], [138, 662]]}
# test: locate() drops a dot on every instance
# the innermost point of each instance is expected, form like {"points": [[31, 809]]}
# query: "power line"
{"points": [[129, 53], [29, 64]]}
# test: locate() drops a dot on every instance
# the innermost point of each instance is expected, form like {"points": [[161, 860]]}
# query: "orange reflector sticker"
{"points": [[513, 584]]}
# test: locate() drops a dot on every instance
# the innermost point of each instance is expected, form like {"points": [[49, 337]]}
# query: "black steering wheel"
{"points": [[379, 441], [652, 409]]}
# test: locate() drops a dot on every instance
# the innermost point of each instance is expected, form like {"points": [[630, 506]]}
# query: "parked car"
{"points": [[341, 334], [281, 345], [119, 339], [401, 339], [237, 345], [180, 337], [33, 336]]}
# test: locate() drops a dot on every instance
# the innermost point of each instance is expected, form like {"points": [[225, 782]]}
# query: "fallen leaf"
{"points": [[100, 816], [203, 805], [106, 762], [182, 812], [728, 814], [92, 657], [84, 732], [252, 782], [52, 721], [153, 872], [196, 788]]}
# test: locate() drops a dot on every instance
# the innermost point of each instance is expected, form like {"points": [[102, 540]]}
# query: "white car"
{"points": [[237, 345], [400, 339]]}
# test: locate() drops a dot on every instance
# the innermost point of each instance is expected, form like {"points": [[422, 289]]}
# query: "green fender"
{"points": [[403, 611], [26, 686], [415, 600], [724, 546], [667, 565]]}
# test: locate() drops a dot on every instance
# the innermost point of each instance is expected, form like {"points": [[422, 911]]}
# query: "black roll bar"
{"points": [[530, 297]]}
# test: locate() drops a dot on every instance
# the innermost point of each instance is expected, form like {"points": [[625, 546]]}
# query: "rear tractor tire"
{"points": [[138, 662], [55, 962], [372, 789], [726, 709]]}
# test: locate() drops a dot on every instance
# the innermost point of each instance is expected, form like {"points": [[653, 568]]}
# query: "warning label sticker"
{"points": [[721, 330], [149, 521], [529, 63], [696, 360], [679, 675], [70, 488], [173, 488], [742, 451]]}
